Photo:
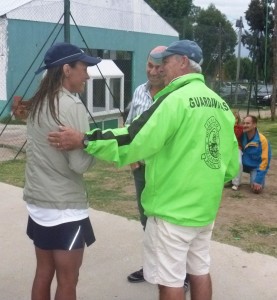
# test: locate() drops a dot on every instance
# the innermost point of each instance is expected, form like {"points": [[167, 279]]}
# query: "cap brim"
{"points": [[40, 70], [161, 55], [156, 61], [89, 60]]}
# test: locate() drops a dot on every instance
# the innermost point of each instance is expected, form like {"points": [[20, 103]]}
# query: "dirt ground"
{"points": [[248, 220], [245, 220]]}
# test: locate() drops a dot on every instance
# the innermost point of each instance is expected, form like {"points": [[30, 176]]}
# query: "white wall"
{"points": [[3, 59], [128, 15]]}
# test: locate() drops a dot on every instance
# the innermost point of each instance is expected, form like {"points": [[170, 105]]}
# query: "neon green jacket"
{"points": [[187, 141]]}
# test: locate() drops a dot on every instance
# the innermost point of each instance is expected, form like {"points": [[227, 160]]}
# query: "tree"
{"points": [[209, 28], [217, 38], [175, 12], [230, 68], [259, 15], [274, 46], [171, 8], [245, 68], [257, 40]]}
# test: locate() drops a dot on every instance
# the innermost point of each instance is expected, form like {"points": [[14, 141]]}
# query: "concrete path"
{"points": [[236, 275]]}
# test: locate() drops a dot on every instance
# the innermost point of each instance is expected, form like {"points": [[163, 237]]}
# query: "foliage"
{"points": [[171, 8], [175, 12], [209, 28], [230, 68], [257, 40], [217, 38], [245, 68], [260, 11]]}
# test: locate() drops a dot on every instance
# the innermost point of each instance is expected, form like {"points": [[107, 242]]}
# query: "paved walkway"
{"points": [[236, 275]]}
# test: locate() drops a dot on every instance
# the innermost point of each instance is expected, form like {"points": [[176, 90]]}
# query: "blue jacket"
{"points": [[256, 155]]}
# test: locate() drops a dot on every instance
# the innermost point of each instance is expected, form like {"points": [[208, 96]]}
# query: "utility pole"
{"points": [[220, 55], [265, 46], [67, 21], [239, 24], [274, 79]]}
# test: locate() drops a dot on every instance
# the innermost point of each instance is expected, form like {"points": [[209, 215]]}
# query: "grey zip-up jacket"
{"points": [[54, 179]]}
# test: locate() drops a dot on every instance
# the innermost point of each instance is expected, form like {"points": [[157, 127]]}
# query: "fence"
{"points": [[29, 42]]}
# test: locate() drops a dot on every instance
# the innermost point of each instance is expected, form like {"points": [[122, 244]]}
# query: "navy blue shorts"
{"points": [[66, 236]]}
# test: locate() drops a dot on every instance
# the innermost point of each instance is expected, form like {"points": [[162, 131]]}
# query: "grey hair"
{"points": [[195, 66]]}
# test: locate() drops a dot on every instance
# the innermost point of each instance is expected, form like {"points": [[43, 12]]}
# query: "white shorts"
{"points": [[171, 251]]}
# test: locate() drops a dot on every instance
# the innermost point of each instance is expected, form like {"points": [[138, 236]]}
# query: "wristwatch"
{"points": [[85, 141]]}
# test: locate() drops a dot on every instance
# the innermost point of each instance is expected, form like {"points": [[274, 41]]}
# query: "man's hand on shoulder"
{"points": [[66, 139]]}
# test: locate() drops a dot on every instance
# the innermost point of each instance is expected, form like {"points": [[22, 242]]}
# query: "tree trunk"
{"points": [[274, 79]]}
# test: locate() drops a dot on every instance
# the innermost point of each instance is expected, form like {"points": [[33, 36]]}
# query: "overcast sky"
{"points": [[233, 9]]}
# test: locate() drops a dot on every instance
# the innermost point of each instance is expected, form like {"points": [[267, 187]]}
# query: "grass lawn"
{"points": [[112, 190], [269, 129]]}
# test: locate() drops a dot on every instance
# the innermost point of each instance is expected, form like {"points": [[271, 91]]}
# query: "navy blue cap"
{"points": [[182, 47], [64, 53]]}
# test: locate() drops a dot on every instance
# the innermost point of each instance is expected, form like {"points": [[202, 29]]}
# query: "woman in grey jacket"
{"points": [[54, 191]]}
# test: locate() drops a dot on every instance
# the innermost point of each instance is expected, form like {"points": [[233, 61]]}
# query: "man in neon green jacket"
{"points": [[187, 141]]}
